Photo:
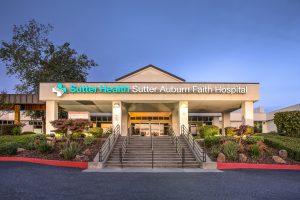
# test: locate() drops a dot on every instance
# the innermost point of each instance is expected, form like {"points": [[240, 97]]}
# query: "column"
{"points": [[116, 114], [17, 118], [247, 113], [225, 121], [183, 114], [51, 115], [124, 120]]}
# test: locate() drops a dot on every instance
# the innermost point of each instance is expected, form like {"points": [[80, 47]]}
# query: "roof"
{"points": [[150, 66]]}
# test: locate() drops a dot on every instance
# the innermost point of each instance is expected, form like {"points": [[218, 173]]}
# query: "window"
{"points": [[5, 122]]}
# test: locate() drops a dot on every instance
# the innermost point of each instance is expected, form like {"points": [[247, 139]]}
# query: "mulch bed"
{"points": [[265, 158], [55, 154]]}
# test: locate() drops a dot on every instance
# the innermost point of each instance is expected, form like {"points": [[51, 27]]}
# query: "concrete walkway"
{"points": [[154, 170]]}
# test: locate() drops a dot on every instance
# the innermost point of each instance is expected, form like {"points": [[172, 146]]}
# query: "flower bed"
{"points": [[251, 149]]}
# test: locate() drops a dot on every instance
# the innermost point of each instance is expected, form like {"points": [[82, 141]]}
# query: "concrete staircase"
{"points": [[139, 153]]}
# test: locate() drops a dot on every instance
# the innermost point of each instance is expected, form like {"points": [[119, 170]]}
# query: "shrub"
{"points": [[8, 149], [215, 150], [108, 131], [58, 136], [290, 144], [254, 139], [212, 140], [88, 139], [249, 130], [11, 129], [288, 123], [230, 131], [254, 151], [71, 151], [208, 130], [97, 132], [17, 130], [230, 150], [39, 139], [76, 134], [44, 148]]}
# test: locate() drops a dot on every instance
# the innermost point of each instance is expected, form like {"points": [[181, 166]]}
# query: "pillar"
{"points": [[247, 113], [225, 121], [51, 115], [124, 120], [183, 114], [17, 118], [175, 119], [116, 114]]}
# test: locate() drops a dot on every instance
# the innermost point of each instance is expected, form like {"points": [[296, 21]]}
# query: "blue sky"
{"points": [[202, 40]]}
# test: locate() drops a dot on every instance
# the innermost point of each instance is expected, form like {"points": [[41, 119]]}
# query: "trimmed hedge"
{"points": [[290, 144], [10, 143], [288, 123], [208, 130]]}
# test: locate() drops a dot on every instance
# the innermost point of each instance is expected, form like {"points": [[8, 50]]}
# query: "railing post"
{"points": [[193, 143], [176, 141], [182, 157], [120, 155], [108, 142], [152, 157], [100, 155]]}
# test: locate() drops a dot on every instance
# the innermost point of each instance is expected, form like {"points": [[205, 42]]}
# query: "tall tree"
{"points": [[33, 58], [5, 107]]}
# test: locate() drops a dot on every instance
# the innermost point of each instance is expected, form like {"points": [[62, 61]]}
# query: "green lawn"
{"points": [[291, 144]]}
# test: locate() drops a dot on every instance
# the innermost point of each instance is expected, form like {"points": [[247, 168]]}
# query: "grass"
{"points": [[290, 144]]}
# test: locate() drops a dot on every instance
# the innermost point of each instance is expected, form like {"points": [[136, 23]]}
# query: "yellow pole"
{"points": [[17, 114]]}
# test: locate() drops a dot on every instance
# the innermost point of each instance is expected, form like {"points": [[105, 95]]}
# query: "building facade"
{"points": [[150, 100]]}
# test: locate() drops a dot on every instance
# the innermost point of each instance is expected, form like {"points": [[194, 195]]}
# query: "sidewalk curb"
{"points": [[81, 165], [225, 166]]}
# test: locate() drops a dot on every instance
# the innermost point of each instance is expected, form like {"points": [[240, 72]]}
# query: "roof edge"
{"points": [[148, 66]]}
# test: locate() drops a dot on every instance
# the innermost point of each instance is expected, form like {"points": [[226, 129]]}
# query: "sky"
{"points": [[201, 41]]}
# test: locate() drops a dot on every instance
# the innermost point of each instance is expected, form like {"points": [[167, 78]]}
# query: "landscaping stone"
{"points": [[81, 158], [242, 158], [20, 150], [221, 157], [283, 153], [87, 152], [278, 160]]}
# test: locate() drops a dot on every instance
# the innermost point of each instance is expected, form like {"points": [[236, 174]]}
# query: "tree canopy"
{"points": [[32, 58]]}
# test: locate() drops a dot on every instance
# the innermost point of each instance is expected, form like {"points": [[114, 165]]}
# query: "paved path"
{"points": [[32, 181]]}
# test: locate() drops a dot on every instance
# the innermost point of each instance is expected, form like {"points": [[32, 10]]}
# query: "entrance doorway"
{"points": [[149, 123]]}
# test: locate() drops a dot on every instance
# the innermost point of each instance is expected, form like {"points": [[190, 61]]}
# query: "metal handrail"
{"points": [[179, 148], [106, 148], [152, 149], [123, 150], [194, 146]]}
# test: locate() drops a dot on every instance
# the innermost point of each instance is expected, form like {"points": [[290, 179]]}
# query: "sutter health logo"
{"points": [[59, 90]]}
